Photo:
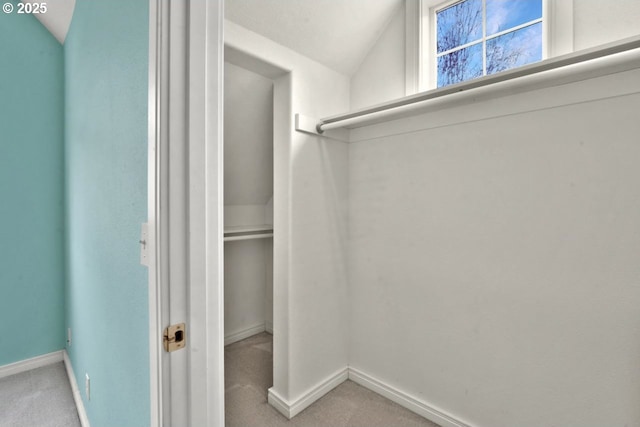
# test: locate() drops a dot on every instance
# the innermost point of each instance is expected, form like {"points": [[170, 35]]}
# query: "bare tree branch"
{"points": [[460, 26]]}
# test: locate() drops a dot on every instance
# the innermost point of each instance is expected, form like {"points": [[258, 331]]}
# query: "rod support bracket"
{"points": [[312, 126], [308, 125]]}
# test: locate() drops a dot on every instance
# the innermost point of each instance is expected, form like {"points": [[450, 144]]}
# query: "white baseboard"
{"points": [[29, 364], [278, 402], [403, 399], [268, 326], [421, 408], [290, 410], [245, 333], [82, 414]]}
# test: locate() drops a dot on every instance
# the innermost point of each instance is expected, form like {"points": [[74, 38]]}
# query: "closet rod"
{"points": [[247, 237], [603, 52]]}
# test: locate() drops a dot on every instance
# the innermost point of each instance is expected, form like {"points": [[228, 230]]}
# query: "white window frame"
{"points": [[557, 38]]}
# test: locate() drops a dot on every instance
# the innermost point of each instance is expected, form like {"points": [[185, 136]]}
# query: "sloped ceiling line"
{"points": [[57, 18], [338, 34]]}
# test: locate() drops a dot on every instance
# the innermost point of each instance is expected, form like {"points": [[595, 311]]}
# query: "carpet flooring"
{"points": [[38, 398], [249, 373]]}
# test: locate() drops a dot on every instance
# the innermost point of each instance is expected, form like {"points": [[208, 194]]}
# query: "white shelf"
{"points": [[246, 232]]}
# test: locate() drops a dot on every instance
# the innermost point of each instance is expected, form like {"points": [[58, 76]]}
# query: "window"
{"points": [[464, 39], [479, 37]]}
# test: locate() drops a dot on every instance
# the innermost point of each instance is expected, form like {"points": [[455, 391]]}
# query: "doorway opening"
{"points": [[255, 226], [248, 204]]}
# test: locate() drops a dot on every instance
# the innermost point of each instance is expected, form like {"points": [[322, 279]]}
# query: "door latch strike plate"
{"points": [[174, 337]]}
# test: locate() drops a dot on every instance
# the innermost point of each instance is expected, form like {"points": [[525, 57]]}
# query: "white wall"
{"points": [[381, 76], [492, 246], [248, 137], [245, 286], [268, 298], [310, 199], [493, 260], [597, 22], [492, 270]]}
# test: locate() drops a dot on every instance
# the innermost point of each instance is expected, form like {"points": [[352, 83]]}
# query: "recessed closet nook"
{"points": [[248, 203]]}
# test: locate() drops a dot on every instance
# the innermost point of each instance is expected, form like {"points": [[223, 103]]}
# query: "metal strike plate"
{"points": [[174, 337]]}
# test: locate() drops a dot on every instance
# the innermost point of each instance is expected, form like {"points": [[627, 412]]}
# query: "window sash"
{"points": [[557, 37], [483, 38], [493, 36]]}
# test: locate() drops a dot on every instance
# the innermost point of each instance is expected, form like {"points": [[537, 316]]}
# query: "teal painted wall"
{"points": [[31, 189], [106, 65]]}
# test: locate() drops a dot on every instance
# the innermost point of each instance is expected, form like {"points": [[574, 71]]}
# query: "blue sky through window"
{"points": [[505, 14], [461, 24], [514, 49]]}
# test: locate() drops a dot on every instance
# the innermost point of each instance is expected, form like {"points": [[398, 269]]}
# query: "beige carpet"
{"points": [[41, 397], [248, 375]]}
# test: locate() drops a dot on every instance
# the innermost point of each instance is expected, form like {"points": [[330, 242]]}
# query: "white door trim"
{"points": [[202, 403], [206, 291], [153, 199]]}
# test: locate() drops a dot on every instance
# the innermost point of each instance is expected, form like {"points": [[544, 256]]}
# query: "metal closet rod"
{"points": [[389, 108]]}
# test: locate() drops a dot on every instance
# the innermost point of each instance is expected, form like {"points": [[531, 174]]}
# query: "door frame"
{"points": [[153, 212], [201, 60]]}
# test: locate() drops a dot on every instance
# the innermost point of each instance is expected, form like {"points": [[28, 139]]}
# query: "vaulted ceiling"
{"points": [[57, 18], [336, 33]]}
